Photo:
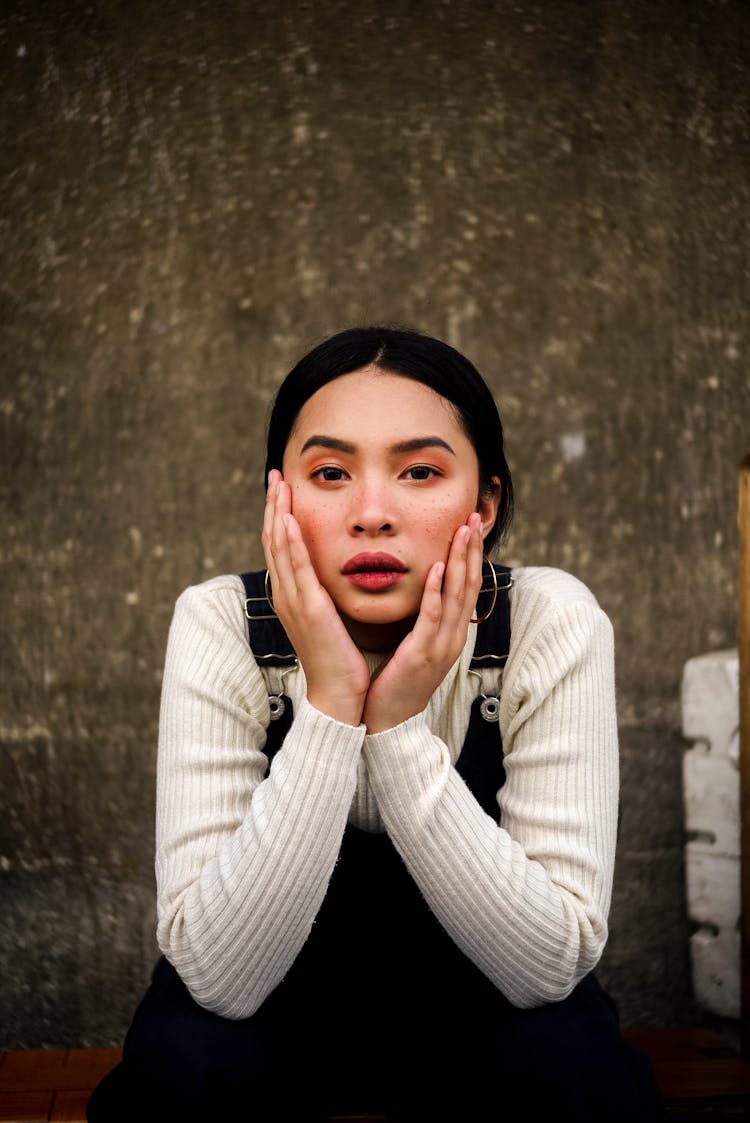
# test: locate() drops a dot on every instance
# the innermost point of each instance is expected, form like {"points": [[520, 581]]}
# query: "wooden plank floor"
{"points": [[700, 1076], [695, 1064], [53, 1085], [40, 1085]]}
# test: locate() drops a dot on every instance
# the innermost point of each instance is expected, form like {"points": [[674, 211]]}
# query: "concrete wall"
{"points": [[192, 195]]}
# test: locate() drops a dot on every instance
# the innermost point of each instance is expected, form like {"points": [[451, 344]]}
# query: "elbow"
{"points": [[556, 971], [218, 988], [218, 993], [220, 1001], [547, 991], [546, 988]]}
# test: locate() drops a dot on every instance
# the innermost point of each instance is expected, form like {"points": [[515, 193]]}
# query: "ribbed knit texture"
{"points": [[243, 863]]}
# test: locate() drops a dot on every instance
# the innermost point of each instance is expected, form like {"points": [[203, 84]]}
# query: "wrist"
{"points": [[344, 710], [381, 720]]}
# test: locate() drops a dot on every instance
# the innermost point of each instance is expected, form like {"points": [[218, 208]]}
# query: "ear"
{"points": [[487, 505]]}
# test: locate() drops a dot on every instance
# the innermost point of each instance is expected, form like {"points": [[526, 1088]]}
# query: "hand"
{"points": [[336, 672], [404, 686]]}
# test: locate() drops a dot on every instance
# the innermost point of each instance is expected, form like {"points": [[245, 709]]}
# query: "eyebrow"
{"points": [[328, 442], [416, 444]]}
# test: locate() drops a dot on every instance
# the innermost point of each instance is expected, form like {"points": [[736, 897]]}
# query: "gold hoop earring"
{"points": [[267, 590], [491, 609]]}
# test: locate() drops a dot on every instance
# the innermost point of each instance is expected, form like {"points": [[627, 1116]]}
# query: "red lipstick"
{"points": [[374, 572]]}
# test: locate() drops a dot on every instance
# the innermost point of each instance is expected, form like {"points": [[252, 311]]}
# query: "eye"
{"points": [[329, 474], [420, 472]]}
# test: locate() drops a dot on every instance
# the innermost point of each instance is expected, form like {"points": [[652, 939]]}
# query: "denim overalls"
{"points": [[381, 1011]]}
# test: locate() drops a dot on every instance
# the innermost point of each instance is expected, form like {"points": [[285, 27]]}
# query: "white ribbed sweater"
{"points": [[243, 863]]}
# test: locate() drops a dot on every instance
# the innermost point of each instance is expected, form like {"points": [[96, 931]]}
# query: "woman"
{"points": [[401, 914]]}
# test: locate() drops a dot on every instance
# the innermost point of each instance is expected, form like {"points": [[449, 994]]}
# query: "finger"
{"points": [[269, 515], [275, 545], [284, 569], [433, 589], [431, 605], [465, 604], [273, 481], [454, 584], [276, 507], [312, 598], [475, 555], [462, 582], [297, 552], [282, 507], [444, 593]]}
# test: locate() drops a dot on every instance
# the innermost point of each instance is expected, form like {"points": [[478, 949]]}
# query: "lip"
{"points": [[374, 573], [373, 563]]}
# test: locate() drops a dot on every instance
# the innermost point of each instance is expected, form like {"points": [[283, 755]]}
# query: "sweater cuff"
{"points": [[335, 741], [408, 767]]}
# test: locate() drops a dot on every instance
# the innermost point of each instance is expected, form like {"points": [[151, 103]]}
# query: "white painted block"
{"points": [[716, 972], [711, 784], [713, 887], [712, 800]]}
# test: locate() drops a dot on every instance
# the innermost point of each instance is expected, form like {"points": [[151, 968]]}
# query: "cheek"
{"points": [[440, 524], [312, 522], [310, 525]]}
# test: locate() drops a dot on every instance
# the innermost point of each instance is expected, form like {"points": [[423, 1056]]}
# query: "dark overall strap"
{"points": [[493, 635], [268, 640], [480, 762], [270, 645]]}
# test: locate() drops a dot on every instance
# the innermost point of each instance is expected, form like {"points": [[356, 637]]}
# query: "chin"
{"points": [[382, 615]]}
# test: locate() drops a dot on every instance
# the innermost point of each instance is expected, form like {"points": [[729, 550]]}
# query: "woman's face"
{"points": [[381, 475]]}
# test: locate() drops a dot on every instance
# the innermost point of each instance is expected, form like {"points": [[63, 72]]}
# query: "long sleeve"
{"points": [[242, 862], [527, 901]]}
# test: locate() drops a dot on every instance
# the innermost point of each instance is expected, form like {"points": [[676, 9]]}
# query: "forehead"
{"points": [[376, 402]]}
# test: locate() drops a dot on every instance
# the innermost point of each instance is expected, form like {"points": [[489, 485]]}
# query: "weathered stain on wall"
{"points": [[192, 196]]}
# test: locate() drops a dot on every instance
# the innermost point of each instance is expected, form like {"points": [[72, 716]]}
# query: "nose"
{"points": [[372, 510]]}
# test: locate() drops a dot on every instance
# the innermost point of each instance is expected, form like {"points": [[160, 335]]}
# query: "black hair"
{"points": [[413, 355]]}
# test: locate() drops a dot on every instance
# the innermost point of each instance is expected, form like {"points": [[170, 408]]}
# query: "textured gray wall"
{"points": [[193, 194]]}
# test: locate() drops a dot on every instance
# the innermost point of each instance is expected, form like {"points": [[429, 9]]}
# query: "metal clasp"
{"points": [[261, 616]]}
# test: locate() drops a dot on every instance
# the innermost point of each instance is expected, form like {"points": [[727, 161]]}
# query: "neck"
{"points": [[379, 638]]}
